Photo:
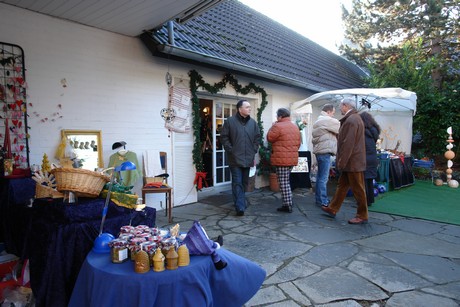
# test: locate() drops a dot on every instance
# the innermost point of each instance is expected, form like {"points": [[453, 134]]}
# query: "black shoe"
{"points": [[239, 213], [284, 209]]}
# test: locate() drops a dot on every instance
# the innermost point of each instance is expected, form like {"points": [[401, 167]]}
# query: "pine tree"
{"points": [[377, 30]]}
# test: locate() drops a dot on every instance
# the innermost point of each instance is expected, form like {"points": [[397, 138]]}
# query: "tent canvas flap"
{"points": [[381, 99], [393, 109]]}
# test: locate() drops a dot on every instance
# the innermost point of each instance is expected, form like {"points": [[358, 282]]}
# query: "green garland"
{"points": [[196, 81]]}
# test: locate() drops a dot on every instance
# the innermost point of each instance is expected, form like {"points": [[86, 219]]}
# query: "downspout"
{"points": [[171, 33]]}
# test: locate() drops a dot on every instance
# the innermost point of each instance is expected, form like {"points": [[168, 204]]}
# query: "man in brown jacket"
{"points": [[351, 162], [285, 139]]}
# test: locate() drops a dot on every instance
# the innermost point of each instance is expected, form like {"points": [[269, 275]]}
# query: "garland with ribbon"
{"points": [[196, 82]]}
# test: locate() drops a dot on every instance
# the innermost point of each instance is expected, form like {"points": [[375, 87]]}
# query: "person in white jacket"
{"points": [[325, 131]]}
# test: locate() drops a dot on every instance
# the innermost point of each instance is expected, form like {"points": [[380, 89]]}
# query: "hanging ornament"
{"points": [[168, 114], [168, 79]]}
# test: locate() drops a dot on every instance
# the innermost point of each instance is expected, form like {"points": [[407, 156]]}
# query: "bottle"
{"points": [[158, 261]]}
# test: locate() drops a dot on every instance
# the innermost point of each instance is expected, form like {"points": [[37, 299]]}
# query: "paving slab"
{"points": [[292, 270], [391, 278], [324, 235], [419, 299], [417, 226], [451, 290], [433, 268], [400, 241], [263, 250], [271, 294], [330, 254], [335, 283], [293, 292], [452, 230]]}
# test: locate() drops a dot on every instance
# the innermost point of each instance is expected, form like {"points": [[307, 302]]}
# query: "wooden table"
{"points": [[168, 198]]}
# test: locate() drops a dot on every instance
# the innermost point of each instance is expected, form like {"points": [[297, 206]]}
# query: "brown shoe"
{"points": [[328, 211], [357, 220]]}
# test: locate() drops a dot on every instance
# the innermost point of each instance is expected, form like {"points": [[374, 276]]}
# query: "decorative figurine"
{"points": [[171, 259], [450, 155], [198, 243], [184, 255], [141, 262], [158, 261]]}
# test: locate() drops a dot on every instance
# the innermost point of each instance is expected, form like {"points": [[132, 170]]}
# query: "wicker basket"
{"points": [[80, 181], [43, 191]]}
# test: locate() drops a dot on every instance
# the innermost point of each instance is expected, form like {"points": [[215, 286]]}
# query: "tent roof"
{"points": [[376, 99]]}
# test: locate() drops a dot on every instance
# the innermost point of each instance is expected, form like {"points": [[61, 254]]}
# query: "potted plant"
{"points": [[265, 168]]}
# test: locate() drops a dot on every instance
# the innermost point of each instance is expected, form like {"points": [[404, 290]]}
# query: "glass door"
{"points": [[223, 111]]}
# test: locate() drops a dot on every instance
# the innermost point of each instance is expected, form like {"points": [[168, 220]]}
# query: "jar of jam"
{"points": [[118, 250]]}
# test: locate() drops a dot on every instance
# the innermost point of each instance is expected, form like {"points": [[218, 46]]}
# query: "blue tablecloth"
{"points": [[102, 283]]}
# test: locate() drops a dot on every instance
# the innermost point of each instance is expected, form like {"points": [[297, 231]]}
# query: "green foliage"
{"points": [[418, 49], [437, 109], [196, 81], [377, 28], [264, 167]]}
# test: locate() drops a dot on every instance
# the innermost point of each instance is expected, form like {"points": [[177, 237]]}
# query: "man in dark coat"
{"points": [[351, 162], [240, 137]]}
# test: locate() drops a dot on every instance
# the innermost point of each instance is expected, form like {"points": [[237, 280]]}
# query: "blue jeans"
{"points": [[240, 176], [324, 164]]}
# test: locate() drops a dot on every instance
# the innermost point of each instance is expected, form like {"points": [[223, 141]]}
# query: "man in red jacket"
{"points": [[285, 139], [351, 162]]}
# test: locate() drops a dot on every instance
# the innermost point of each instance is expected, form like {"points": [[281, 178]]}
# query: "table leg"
{"points": [[169, 202]]}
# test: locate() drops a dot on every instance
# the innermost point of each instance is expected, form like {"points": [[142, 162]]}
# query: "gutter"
{"points": [[204, 58]]}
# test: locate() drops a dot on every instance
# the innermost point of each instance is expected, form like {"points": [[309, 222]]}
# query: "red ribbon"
{"points": [[200, 177]]}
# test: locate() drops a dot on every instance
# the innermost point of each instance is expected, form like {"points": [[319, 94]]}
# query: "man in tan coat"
{"points": [[325, 131], [285, 139], [351, 162]]}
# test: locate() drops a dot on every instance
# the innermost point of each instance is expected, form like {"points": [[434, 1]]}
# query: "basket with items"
{"points": [[45, 186], [83, 182]]}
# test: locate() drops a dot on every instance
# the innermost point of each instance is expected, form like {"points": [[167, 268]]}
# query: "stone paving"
{"points": [[314, 260]]}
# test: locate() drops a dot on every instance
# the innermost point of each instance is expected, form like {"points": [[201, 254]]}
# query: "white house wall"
{"points": [[114, 85]]}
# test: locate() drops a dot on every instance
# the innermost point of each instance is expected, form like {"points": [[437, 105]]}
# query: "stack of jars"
{"points": [[142, 244]]}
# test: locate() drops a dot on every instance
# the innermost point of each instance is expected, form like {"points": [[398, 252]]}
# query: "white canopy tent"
{"points": [[392, 108]]}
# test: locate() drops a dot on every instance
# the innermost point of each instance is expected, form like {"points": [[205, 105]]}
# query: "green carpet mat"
{"points": [[422, 200]]}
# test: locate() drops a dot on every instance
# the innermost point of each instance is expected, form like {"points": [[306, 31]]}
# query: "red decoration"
{"points": [[200, 177], [7, 142]]}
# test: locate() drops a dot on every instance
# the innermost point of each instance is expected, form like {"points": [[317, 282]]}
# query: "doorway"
{"points": [[213, 115]]}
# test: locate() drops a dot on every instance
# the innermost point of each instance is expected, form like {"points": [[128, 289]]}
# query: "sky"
{"points": [[318, 20]]}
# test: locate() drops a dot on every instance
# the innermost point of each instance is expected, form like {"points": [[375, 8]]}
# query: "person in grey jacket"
{"points": [[240, 137], [325, 131]]}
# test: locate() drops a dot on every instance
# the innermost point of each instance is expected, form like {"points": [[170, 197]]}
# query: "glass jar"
{"points": [[118, 250]]}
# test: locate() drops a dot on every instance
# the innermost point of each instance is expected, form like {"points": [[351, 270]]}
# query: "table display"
{"points": [[56, 237], [103, 283], [395, 172]]}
